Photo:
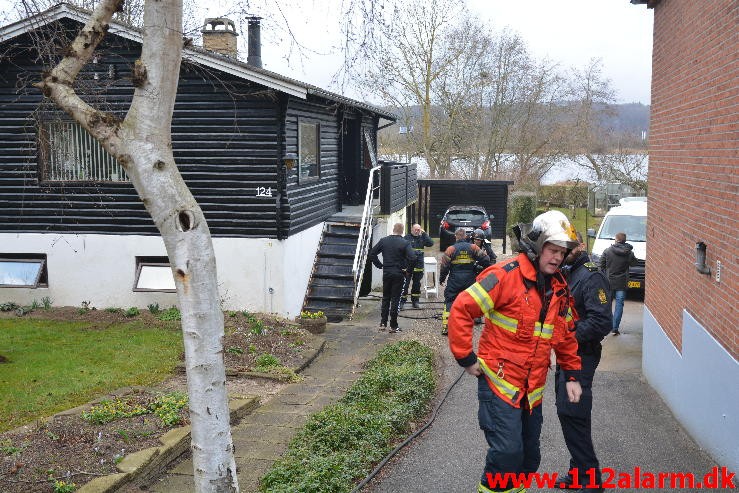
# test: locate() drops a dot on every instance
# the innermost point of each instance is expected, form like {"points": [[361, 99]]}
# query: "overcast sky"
{"points": [[569, 32]]}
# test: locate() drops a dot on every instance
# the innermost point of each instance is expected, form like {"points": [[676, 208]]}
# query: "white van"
{"points": [[630, 218]]}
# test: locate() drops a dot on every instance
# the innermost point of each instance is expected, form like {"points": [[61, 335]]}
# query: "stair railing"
{"points": [[365, 233]]}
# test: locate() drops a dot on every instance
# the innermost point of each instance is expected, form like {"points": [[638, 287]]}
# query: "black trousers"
{"points": [[415, 285], [392, 286], [576, 418]]}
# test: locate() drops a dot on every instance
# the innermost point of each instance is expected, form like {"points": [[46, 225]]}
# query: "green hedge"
{"points": [[339, 445]]}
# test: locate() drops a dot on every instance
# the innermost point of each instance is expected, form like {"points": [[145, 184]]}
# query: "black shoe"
{"points": [[416, 304], [383, 327], [394, 330], [616, 332], [565, 483]]}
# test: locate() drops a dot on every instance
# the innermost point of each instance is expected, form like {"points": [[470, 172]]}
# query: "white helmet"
{"points": [[550, 227]]}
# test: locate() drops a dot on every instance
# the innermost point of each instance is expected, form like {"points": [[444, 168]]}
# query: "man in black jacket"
{"points": [[589, 287], [397, 255], [615, 261], [418, 240]]}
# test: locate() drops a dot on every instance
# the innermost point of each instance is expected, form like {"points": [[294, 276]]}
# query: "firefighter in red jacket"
{"points": [[528, 312]]}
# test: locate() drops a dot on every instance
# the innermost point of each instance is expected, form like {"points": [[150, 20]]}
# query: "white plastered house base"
{"points": [[255, 274]]}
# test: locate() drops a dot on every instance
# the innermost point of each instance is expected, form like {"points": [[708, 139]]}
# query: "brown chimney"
{"points": [[219, 35]]}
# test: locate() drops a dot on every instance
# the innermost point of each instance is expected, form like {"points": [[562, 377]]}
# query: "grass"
{"points": [[339, 445], [57, 365]]}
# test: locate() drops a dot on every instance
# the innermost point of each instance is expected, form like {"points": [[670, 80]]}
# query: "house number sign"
{"points": [[264, 192]]}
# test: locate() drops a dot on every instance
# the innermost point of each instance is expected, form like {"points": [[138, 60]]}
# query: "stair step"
{"points": [[334, 281], [351, 236], [327, 272], [345, 249], [336, 255], [333, 292], [342, 228]]}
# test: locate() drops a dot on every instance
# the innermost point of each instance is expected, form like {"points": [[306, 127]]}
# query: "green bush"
{"points": [[340, 444], [522, 209], [167, 407], [170, 314]]}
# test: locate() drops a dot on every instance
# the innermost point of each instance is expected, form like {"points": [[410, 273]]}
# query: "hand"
{"points": [[474, 370], [574, 391]]}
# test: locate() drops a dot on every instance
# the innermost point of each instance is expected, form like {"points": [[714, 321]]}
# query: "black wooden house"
{"points": [[266, 156]]}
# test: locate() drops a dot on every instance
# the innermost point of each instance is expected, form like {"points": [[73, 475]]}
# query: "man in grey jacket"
{"points": [[615, 262]]}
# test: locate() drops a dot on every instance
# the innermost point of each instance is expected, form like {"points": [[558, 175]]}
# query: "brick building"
{"points": [[691, 326]]}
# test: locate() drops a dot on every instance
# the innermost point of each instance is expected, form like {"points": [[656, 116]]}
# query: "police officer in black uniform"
{"points": [[397, 255], [418, 239], [458, 262], [591, 291]]}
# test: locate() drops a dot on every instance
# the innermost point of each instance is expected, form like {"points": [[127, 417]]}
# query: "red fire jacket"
{"points": [[514, 347]]}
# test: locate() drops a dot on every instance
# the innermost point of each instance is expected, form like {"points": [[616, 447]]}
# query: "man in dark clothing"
{"points": [[590, 290], [615, 261], [479, 239], [397, 255], [418, 240], [458, 262]]}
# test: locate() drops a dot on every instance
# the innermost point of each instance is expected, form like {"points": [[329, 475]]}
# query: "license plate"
{"points": [[634, 284]]}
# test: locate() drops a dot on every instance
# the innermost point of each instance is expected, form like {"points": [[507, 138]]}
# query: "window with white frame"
{"points": [[309, 151], [23, 270], [69, 153], [154, 274]]}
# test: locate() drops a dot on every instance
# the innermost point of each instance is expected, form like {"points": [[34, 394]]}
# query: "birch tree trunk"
{"points": [[141, 143]]}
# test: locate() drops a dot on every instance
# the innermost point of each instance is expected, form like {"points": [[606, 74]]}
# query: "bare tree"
{"points": [[413, 55], [141, 143]]}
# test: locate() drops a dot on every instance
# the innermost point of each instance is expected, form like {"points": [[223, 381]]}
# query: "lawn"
{"points": [[55, 365]]}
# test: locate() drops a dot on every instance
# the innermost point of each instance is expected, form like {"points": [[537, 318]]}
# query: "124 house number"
{"points": [[264, 192]]}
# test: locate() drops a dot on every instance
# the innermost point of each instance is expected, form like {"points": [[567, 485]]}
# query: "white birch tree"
{"points": [[141, 142]]}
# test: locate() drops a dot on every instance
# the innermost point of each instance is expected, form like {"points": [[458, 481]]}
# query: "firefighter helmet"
{"points": [[549, 227], [479, 234]]}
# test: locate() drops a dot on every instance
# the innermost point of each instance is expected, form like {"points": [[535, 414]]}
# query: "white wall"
{"points": [[699, 385], [101, 269]]}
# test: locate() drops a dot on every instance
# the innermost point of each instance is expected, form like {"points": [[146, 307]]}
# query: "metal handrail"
{"points": [[360, 255]]}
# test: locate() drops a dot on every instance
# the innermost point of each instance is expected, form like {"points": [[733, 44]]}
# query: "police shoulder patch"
{"points": [[590, 266], [602, 296]]}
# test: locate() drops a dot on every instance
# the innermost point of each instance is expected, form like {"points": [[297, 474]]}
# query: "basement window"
{"points": [[68, 153], [23, 270], [154, 274], [309, 152]]}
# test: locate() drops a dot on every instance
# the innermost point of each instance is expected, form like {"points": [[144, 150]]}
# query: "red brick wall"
{"points": [[694, 167]]}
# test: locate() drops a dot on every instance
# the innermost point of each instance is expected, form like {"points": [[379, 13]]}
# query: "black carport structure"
{"points": [[435, 196]]}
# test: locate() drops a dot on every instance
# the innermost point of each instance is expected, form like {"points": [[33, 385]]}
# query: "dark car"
{"points": [[469, 217]]}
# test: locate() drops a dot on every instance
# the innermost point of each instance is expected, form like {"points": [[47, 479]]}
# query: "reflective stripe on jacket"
{"points": [[515, 345]]}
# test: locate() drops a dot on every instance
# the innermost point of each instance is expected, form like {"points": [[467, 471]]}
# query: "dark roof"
{"points": [[195, 55]]}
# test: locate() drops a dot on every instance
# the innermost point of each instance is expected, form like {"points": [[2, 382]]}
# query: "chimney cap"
{"points": [[212, 24]]}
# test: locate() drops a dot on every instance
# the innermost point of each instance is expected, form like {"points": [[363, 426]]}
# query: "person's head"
{"points": [[478, 237], [416, 229], [460, 234], [398, 229], [550, 228], [577, 250], [620, 237]]}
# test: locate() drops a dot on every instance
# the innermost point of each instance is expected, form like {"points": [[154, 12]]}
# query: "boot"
{"points": [[416, 303]]}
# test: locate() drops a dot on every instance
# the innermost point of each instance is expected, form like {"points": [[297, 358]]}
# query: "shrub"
{"points": [[309, 314], [340, 444], [169, 314], [8, 306], [522, 209], [131, 312], [47, 302], [154, 308]]}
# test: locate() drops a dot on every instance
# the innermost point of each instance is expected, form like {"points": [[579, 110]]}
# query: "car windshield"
{"points": [[467, 216], [635, 228]]}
